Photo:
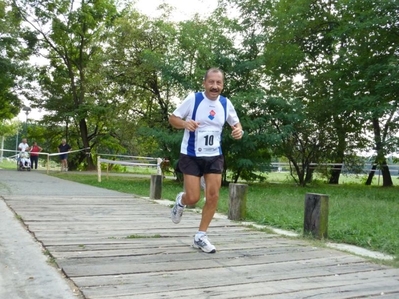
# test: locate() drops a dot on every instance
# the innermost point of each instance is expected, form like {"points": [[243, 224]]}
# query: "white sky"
{"points": [[184, 9]]}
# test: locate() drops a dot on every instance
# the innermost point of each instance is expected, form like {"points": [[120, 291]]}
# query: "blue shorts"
{"points": [[63, 156]]}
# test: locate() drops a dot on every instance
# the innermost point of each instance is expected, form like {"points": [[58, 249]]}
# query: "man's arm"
{"points": [[179, 123]]}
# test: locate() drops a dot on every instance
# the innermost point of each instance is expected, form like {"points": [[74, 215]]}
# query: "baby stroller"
{"points": [[23, 161]]}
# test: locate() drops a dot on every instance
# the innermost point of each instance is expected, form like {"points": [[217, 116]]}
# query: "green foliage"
{"points": [[8, 128], [15, 47], [306, 77], [334, 57], [74, 50]]}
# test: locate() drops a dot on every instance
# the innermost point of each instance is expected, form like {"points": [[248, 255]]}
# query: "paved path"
{"points": [[113, 245]]}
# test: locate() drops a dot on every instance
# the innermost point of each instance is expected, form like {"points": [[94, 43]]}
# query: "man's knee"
{"points": [[191, 199]]}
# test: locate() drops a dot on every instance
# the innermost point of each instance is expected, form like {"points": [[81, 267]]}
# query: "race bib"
{"points": [[208, 141]]}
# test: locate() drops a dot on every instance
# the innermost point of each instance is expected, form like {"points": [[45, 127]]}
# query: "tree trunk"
{"points": [[335, 174], [2, 147], [371, 174], [309, 174], [380, 160], [86, 145], [339, 156], [386, 175]]}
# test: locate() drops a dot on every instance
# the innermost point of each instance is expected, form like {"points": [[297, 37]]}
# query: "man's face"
{"points": [[213, 85], [23, 140]]}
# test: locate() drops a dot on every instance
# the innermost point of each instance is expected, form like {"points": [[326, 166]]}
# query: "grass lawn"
{"points": [[366, 216]]}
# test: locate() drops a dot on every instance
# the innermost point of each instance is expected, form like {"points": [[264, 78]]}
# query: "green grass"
{"points": [[6, 164], [366, 216]]}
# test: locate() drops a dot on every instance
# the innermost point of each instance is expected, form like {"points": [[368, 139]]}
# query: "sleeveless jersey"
{"points": [[205, 141]]}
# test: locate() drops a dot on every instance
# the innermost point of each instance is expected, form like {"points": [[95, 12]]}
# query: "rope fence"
{"points": [[48, 155], [156, 163], [284, 166]]}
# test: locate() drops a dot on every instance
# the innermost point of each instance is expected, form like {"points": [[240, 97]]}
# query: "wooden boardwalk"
{"points": [[127, 247]]}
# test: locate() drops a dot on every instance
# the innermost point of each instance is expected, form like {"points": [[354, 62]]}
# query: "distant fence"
{"points": [[283, 166], [157, 163], [128, 161]]}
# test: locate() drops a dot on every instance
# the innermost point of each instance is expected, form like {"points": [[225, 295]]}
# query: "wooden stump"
{"points": [[156, 186], [316, 215], [99, 169], [238, 201]]}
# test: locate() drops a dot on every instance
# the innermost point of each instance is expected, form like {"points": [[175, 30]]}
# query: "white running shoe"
{"points": [[177, 210], [203, 243]]}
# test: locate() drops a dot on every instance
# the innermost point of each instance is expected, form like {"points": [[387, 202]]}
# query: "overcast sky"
{"points": [[184, 8]]}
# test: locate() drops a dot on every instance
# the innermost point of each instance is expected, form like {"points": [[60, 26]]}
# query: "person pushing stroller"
{"points": [[23, 157], [24, 161]]}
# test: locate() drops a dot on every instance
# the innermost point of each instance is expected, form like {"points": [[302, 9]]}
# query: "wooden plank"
{"points": [[88, 239], [128, 249], [278, 271], [184, 261], [247, 286]]}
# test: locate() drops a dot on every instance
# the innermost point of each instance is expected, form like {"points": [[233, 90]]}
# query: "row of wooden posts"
{"points": [[315, 216]]}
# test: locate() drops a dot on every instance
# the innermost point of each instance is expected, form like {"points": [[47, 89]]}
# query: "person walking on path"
{"points": [[63, 149], [34, 154], [202, 116]]}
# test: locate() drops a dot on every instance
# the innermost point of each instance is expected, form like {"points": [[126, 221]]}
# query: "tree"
{"points": [[72, 36], [319, 53], [371, 34], [7, 128], [15, 47]]}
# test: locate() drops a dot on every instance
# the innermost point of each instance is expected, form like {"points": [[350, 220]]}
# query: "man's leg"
{"points": [[201, 240], [192, 190], [190, 196], [213, 182]]}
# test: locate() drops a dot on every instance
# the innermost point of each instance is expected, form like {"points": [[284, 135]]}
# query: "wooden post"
{"points": [[156, 186], [99, 168], [48, 163], [238, 201], [107, 171], [316, 215]]}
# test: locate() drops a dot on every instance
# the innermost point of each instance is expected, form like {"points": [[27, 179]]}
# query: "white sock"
{"points": [[180, 204], [199, 234]]}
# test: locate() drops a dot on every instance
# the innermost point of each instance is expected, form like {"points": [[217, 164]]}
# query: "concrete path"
{"points": [[112, 245], [25, 271]]}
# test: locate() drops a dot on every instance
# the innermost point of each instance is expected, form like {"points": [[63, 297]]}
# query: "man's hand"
{"points": [[237, 132], [191, 125]]}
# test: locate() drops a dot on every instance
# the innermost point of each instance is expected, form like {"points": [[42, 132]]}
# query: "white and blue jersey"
{"points": [[211, 115]]}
